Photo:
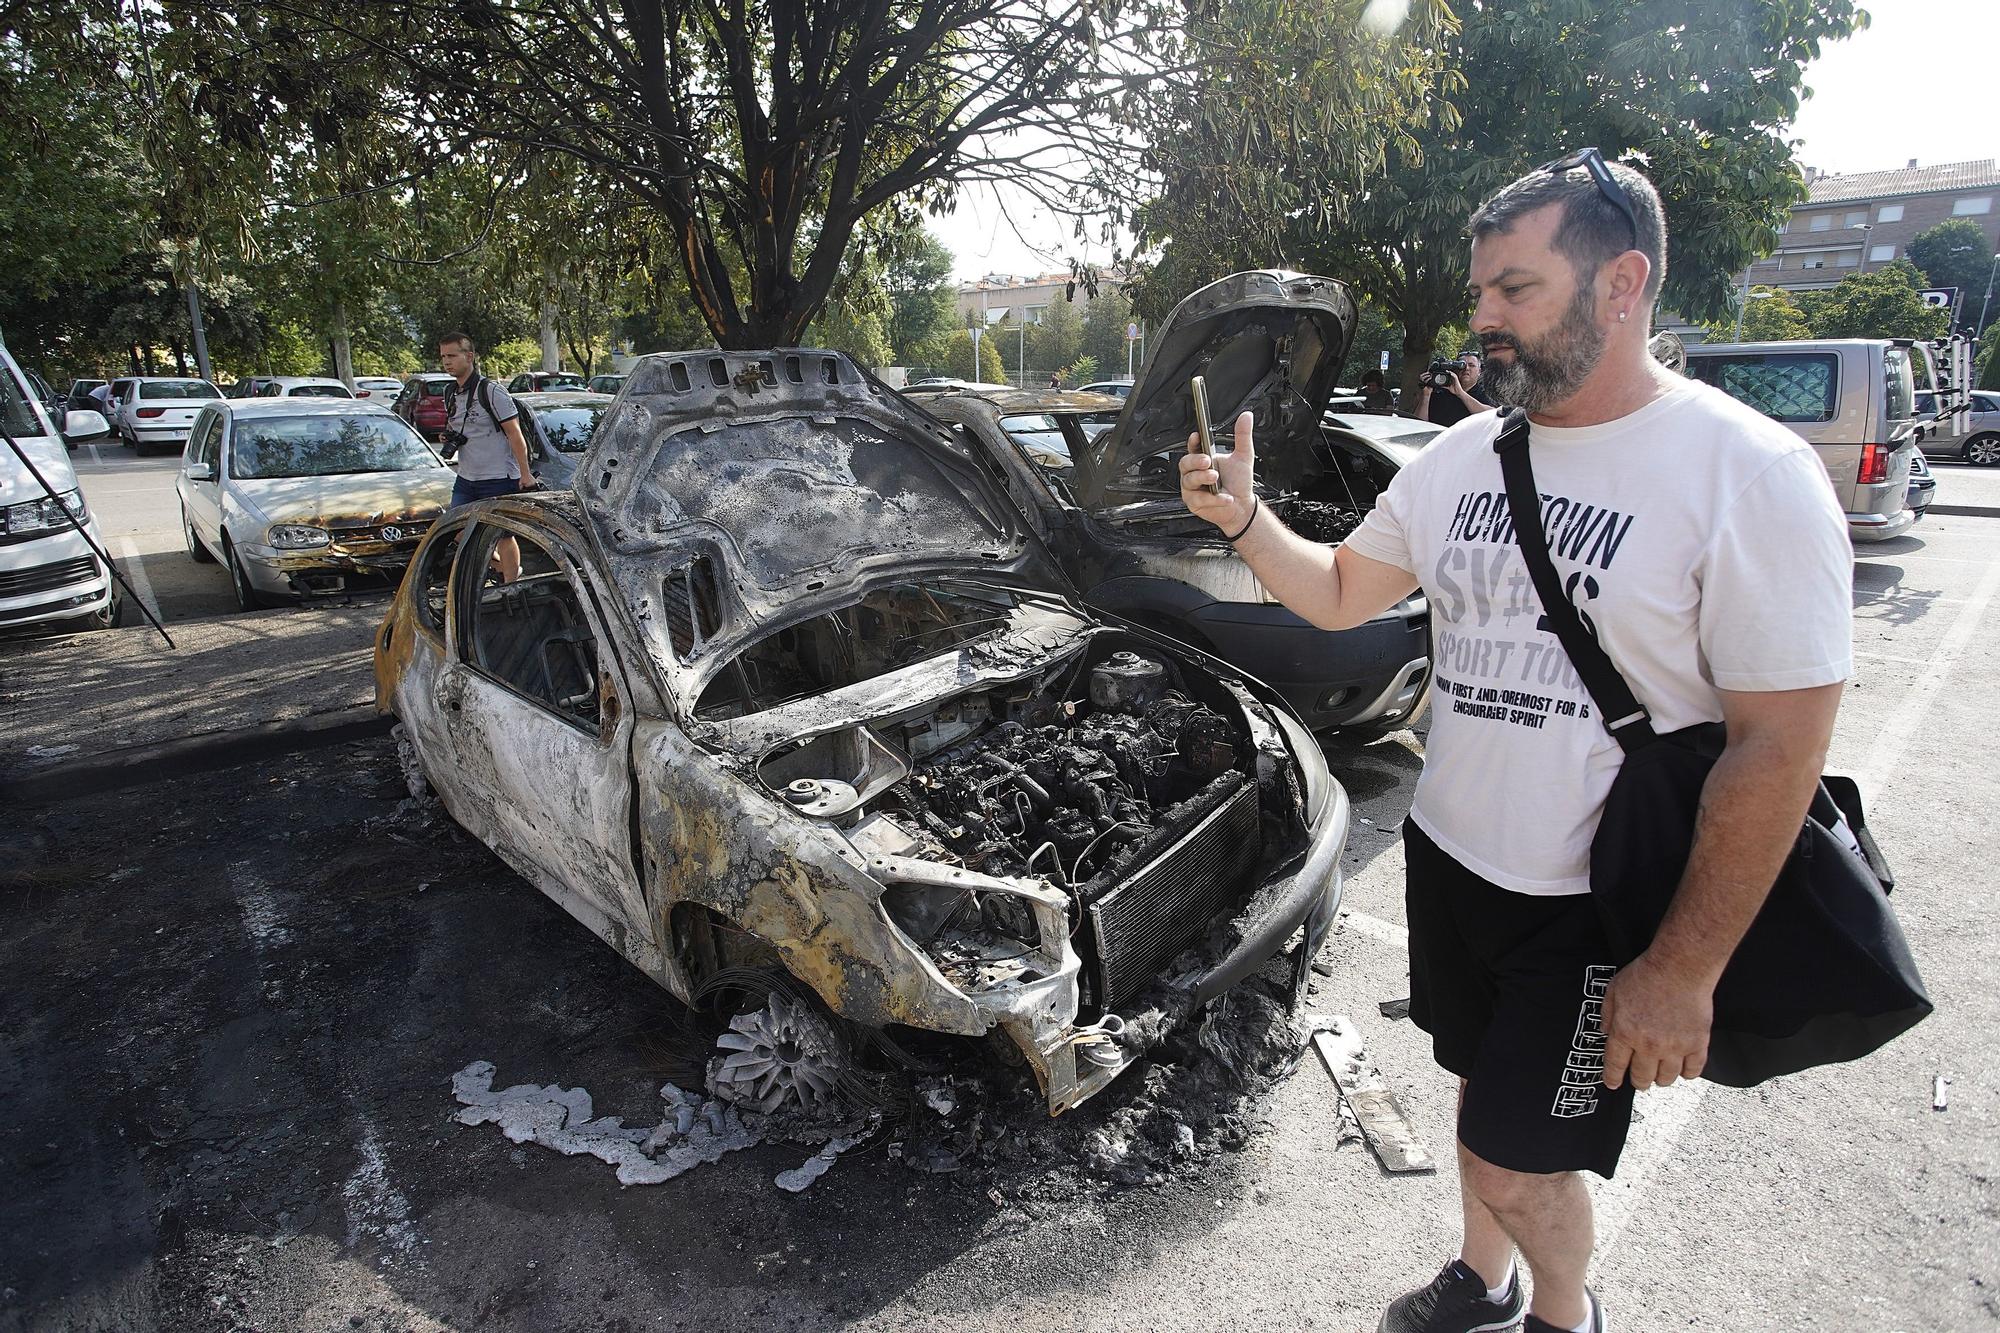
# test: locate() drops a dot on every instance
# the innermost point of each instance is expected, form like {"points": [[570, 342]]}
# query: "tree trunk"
{"points": [[551, 351], [343, 349], [180, 357], [1419, 345]]}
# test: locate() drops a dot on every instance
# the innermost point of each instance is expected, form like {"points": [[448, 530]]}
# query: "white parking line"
{"points": [[1669, 1111], [135, 574], [95, 457], [1375, 928]]}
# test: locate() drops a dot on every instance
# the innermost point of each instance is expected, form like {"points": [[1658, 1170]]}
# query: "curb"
{"points": [[136, 765], [1964, 511]]}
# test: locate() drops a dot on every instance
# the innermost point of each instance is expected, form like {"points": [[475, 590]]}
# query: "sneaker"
{"points": [[1535, 1325], [1454, 1302]]}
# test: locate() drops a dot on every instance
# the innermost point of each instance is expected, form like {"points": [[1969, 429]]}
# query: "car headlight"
{"points": [[296, 536], [44, 514]]}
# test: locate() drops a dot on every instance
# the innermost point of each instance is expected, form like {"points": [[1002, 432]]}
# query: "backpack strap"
{"points": [[1617, 708], [486, 401]]}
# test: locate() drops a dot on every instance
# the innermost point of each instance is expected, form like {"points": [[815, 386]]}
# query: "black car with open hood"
{"points": [[1109, 506]]}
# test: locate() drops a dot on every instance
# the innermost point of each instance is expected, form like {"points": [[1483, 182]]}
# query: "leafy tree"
{"points": [[1772, 315], [1956, 254], [1056, 342], [762, 133], [1989, 365], [1105, 316], [924, 308], [959, 364], [1882, 303], [1704, 95]]}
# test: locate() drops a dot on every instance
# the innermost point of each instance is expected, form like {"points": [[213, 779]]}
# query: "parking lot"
{"points": [[235, 1005]]}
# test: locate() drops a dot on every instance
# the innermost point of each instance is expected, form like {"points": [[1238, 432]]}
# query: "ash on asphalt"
{"points": [[229, 1036]]}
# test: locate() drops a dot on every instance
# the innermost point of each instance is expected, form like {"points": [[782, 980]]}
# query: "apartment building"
{"points": [[1002, 295], [1852, 223]]}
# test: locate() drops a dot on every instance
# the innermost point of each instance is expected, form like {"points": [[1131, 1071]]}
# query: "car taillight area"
{"points": [[150, 412], [1874, 465]]}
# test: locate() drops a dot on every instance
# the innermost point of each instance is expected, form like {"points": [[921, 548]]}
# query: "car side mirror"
{"points": [[82, 424], [201, 472]]}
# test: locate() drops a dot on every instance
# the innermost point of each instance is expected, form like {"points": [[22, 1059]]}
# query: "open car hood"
{"points": [[1267, 341], [799, 478]]}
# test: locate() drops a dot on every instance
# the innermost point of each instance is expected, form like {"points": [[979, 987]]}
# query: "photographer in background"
{"points": [[482, 427], [1452, 392]]}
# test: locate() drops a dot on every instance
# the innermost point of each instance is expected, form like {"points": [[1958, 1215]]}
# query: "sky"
{"points": [[1921, 81]]}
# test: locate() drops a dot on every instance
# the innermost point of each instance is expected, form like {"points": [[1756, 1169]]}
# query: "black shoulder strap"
{"points": [[1623, 716], [486, 400]]}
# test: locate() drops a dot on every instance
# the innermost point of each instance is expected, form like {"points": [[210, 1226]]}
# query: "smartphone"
{"points": [[1203, 430]]}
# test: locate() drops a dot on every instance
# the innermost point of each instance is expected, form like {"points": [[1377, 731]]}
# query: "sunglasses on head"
{"points": [[1607, 185]]}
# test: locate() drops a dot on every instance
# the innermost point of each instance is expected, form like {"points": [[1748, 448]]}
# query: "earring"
{"points": [[1621, 316]]}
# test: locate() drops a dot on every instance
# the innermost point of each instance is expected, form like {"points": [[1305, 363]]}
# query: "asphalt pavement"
{"points": [[235, 1005]]}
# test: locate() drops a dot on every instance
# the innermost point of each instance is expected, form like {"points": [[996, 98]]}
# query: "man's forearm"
{"points": [[1752, 806], [1299, 573]]}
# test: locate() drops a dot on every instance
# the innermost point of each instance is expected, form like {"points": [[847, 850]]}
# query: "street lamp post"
{"points": [[1864, 228], [1989, 296]]}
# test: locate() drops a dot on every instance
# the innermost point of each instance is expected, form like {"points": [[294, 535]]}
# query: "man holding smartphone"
{"points": [[1667, 505]]}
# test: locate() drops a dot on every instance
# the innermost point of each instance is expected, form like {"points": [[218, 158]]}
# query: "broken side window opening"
{"points": [[886, 630], [532, 635], [434, 580], [692, 606]]}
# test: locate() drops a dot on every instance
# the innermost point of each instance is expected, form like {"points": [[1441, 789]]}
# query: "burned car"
{"points": [[1106, 502], [786, 682]]}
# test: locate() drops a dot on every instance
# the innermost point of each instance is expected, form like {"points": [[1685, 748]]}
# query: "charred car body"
{"points": [[785, 679], [1108, 505]]}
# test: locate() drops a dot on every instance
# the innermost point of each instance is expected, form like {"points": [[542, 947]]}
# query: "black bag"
{"points": [[1823, 974]]}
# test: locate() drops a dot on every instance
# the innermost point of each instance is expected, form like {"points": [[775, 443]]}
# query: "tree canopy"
{"points": [[1956, 254]]}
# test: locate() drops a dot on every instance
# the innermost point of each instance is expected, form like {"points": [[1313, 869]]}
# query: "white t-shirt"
{"points": [[1700, 540]]}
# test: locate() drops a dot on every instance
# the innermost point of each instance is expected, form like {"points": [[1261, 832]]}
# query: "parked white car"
{"points": [[48, 572], [157, 411], [303, 497], [377, 388]]}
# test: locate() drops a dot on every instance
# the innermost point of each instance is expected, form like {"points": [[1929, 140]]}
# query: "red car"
{"points": [[422, 404]]}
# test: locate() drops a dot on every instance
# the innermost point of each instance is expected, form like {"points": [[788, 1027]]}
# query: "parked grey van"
{"points": [[1852, 399]]}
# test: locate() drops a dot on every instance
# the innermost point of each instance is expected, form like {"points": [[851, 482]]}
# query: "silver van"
{"points": [[48, 573], [1852, 399]]}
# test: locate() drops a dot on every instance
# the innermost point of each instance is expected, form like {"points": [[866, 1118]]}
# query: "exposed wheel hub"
{"points": [[783, 1054]]}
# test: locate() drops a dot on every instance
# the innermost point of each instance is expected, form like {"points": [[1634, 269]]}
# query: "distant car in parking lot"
{"points": [[306, 496], [606, 383], [1979, 445], [543, 381], [1111, 388], [377, 388], [157, 411], [421, 403], [559, 428]]}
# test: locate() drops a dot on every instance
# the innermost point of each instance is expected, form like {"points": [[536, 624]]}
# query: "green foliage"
{"points": [[1105, 316], [958, 359], [1772, 315], [922, 298], [512, 357], [1956, 254], [1882, 303], [1705, 97], [1988, 366], [1056, 342], [1081, 371]]}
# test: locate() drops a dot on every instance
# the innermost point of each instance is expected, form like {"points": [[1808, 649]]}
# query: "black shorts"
{"points": [[1511, 988]]}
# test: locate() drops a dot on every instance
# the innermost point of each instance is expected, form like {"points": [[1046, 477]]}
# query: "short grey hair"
{"points": [[1592, 231]]}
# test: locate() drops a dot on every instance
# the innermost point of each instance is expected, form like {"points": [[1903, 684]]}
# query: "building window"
{"points": [[1848, 260], [1890, 213], [1815, 262], [1033, 313], [1880, 253], [1823, 222], [1856, 219], [1965, 208], [1784, 226]]}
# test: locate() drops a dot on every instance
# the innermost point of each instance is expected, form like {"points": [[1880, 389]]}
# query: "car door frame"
{"points": [[205, 506], [503, 743]]}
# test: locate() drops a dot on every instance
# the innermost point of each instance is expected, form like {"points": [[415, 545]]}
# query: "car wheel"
{"points": [[1983, 450], [198, 553], [247, 596]]}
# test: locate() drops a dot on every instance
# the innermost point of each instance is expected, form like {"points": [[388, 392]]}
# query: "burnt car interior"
{"points": [[532, 634]]}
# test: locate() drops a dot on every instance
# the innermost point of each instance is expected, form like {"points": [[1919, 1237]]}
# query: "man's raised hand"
{"points": [[1227, 507]]}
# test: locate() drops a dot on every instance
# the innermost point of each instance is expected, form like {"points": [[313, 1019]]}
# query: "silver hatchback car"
{"points": [[1979, 445]]}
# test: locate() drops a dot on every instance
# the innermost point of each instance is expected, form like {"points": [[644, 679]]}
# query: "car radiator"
{"points": [[1143, 923]]}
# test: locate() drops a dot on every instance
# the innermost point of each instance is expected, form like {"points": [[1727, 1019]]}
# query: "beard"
{"points": [[1549, 370]]}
